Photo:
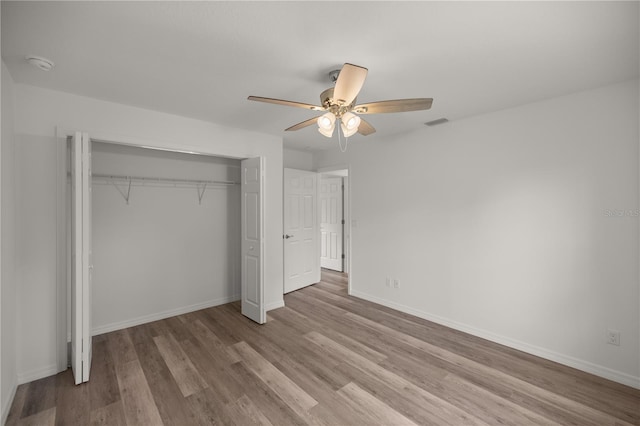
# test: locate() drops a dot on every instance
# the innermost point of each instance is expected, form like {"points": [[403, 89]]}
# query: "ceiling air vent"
{"points": [[436, 122]]}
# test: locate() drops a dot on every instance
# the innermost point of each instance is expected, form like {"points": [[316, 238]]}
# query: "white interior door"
{"points": [[252, 275], [301, 260], [331, 223], [81, 257]]}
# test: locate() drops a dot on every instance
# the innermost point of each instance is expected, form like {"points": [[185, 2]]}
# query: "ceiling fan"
{"points": [[339, 102]]}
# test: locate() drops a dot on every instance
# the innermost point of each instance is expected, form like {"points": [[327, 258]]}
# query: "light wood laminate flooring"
{"points": [[324, 359]]}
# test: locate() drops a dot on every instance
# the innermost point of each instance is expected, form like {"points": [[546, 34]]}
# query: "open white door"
{"points": [[81, 257], [252, 272], [331, 223], [301, 260]]}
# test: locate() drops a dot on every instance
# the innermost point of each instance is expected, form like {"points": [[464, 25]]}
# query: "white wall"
{"points": [[294, 159], [8, 378], [506, 225], [37, 113], [165, 242]]}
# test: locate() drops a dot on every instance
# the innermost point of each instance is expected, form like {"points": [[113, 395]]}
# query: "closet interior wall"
{"points": [[172, 247]]}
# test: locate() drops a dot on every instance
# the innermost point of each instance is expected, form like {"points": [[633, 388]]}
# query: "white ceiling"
{"points": [[202, 59]]}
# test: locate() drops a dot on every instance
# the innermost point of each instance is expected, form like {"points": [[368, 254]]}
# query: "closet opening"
{"points": [[166, 234], [152, 234]]}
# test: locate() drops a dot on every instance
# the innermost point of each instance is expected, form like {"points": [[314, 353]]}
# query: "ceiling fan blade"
{"points": [[349, 83], [286, 103], [365, 128], [398, 105], [303, 124]]}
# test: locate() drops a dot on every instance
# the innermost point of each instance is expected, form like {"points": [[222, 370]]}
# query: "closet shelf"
{"points": [[140, 180], [124, 183]]}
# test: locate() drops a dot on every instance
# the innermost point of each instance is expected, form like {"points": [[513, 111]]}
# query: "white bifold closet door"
{"points": [[81, 267], [252, 229]]}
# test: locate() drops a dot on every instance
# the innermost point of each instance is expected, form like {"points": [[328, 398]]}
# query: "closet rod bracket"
{"points": [[201, 188], [124, 194]]}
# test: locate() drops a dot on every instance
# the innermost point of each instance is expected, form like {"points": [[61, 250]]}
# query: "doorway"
{"points": [[335, 222]]}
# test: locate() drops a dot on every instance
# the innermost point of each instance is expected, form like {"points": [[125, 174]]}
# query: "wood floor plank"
{"points": [[446, 412], [103, 386], [121, 347], [189, 380], [42, 396], [276, 410], [310, 370], [395, 397], [585, 388], [244, 412], [415, 370], [488, 406], [71, 400], [609, 397], [587, 413], [15, 412], [328, 296], [365, 403], [43, 418], [109, 415], [224, 333], [296, 398], [216, 372], [325, 359], [139, 406], [208, 409], [214, 345], [360, 341], [171, 405], [178, 328]]}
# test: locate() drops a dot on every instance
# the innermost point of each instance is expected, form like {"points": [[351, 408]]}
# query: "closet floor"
{"points": [[326, 358]]}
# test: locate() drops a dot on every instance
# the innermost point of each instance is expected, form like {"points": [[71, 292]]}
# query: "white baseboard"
{"points": [[30, 376], [162, 315], [598, 370], [6, 404], [274, 305]]}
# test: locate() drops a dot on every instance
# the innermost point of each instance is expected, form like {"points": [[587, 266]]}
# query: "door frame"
{"points": [[63, 269], [347, 246]]}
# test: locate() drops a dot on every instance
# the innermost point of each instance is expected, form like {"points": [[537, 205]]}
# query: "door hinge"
{"points": [[343, 221], [343, 256]]}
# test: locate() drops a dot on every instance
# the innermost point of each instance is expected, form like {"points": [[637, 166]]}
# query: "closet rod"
{"points": [[142, 179]]}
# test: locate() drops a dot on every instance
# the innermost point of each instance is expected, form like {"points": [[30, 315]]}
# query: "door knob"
{"points": [[288, 236]]}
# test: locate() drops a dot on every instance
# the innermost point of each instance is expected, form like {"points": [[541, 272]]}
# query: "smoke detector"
{"points": [[42, 63]]}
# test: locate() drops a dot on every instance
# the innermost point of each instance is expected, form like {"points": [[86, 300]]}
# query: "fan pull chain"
{"points": [[346, 142]]}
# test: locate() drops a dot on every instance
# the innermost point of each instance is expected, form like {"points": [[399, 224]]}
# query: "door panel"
{"points": [[301, 265], [81, 257], [76, 257], [87, 252], [331, 227], [252, 297]]}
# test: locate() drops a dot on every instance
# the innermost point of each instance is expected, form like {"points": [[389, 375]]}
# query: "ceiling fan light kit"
{"points": [[349, 124], [339, 102], [326, 124]]}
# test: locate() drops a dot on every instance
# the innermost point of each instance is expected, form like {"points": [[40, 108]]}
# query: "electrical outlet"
{"points": [[613, 337], [396, 283], [388, 282]]}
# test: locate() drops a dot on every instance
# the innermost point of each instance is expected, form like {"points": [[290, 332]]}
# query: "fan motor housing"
{"points": [[327, 101]]}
